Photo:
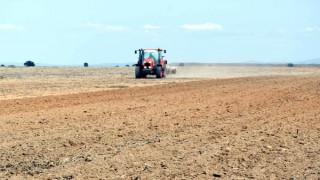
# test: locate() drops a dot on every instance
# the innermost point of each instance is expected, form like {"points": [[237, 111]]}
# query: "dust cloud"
{"points": [[238, 71]]}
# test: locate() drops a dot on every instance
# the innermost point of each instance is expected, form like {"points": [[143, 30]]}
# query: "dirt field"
{"points": [[64, 123], [21, 82]]}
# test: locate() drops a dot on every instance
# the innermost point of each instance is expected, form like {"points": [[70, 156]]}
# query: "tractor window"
{"points": [[151, 54]]}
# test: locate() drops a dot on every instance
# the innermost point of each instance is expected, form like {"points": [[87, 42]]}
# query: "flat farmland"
{"points": [[221, 122], [22, 82]]}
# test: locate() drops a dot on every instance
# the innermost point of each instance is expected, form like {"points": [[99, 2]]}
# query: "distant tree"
{"points": [[85, 64], [127, 65], [2, 65], [181, 64], [29, 63], [290, 65]]}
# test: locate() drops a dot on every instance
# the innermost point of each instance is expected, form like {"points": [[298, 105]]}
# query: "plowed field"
{"points": [[265, 127]]}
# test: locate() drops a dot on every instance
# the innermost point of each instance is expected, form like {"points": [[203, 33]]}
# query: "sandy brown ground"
{"points": [[22, 82], [242, 128]]}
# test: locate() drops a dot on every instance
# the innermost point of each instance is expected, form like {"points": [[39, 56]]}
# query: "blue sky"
{"points": [[70, 32]]}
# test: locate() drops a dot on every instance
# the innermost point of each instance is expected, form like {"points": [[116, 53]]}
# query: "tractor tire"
{"points": [[164, 73], [159, 72], [138, 72]]}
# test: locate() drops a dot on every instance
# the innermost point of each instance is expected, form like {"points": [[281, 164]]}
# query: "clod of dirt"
{"points": [[9, 165], [68, 176], [269, 147], [72, 143], [216, 175], [135, 178], [147, 167], [163, 165], [88, 159]]}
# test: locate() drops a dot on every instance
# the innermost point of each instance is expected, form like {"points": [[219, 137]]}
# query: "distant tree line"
{"points": [[29, 63], [290, 65]]}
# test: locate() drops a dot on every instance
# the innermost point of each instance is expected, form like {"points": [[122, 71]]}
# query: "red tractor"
{"points": [[151, 62]]}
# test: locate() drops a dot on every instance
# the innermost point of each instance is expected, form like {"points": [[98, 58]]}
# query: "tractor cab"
{"points": [[150, 62], [151, 55]]}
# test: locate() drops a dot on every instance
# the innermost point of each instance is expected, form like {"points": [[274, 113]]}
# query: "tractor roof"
{"points": [[155, 49]]}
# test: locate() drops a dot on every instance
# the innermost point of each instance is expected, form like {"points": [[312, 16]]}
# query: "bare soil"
{"points": [[23, 82], [265, 127]]}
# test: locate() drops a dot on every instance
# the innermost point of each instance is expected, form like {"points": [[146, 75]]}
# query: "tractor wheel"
{"points": [[159, 72], [138, 72], [164, 73]]}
